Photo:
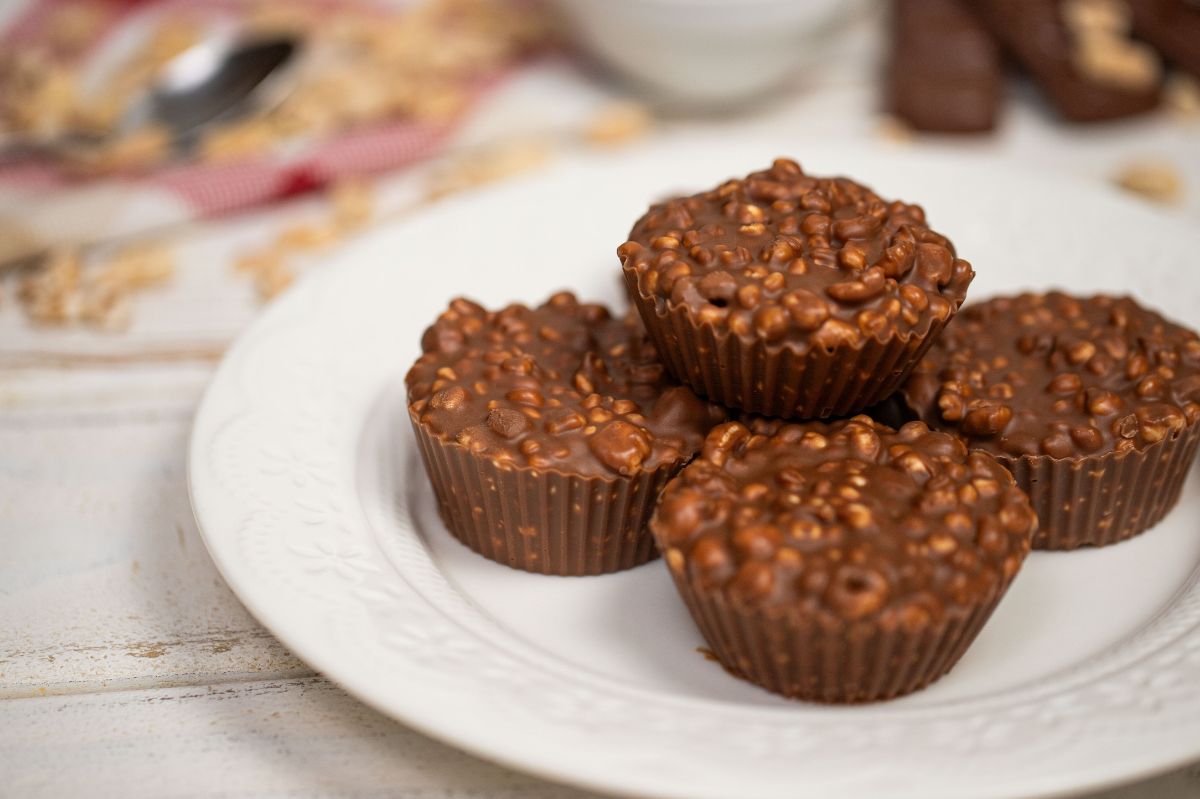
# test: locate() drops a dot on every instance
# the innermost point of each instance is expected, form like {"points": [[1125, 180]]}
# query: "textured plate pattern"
{"points": [[307, 485]]}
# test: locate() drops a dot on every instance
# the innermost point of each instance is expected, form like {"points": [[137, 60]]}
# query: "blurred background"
{"points": [[122, 118], [167, 168]]}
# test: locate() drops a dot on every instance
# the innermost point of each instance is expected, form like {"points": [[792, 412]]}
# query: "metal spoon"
{"points": [[218, 79]]}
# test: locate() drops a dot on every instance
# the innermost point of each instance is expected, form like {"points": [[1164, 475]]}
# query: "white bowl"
{"points": [[703, 52]]}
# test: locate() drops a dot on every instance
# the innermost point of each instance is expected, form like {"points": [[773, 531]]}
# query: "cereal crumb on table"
{"points": [[273, 279], [139, 265], [1158, 181], [237, 141], [894, 130], [488, 165], [73, 26], [17, 240], [618, 123], [1181, 95], [353, 203], [138, 150], [307, 236], [268, 268], [64, 290], [51, 294]]}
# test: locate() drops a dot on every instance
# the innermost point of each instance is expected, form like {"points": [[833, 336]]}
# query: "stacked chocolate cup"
{"points": [[548, 433], [843, 472]]}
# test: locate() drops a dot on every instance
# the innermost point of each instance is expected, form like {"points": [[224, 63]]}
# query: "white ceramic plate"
{"points": [[309, 491]]}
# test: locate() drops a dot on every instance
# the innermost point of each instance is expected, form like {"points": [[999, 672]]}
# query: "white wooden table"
{"points": [[126, 666]]}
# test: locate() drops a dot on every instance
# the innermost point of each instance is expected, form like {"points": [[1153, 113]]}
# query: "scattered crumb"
{"points": [[111, 313], [267, 268], [73, 26], [135, 151], [1102, 15], [423, 64], [61, 291], [708, 654], [36, 94], [254, 262], [271, 281], [895, 130], [1101, 47], [618, 123], [351, 205], [1117, 62], [307, 236], [1181, 95], [139, 265], [174, 34], [50, 294], [1158, 181], [236, 141], [40, 80], [353, 202], [16, 241], [488, 165]]}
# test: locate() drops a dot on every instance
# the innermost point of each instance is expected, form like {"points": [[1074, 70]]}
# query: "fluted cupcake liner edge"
{"points": [[542, 520]]}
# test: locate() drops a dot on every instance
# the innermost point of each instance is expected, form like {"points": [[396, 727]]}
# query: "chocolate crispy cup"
{"points": [[547, 433], [842, 562], [789, 295], [542, 521], [1096, 411]]}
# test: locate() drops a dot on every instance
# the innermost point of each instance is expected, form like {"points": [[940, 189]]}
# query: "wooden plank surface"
{"points": [[271, 738], [105, 581], [296, 737]]}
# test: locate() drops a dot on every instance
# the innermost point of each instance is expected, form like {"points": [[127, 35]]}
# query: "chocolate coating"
{"points": [[563, 386], [1062, 376], [1173, 27], [944, 73], [1034, 32], [801, 261], [845, 522]]}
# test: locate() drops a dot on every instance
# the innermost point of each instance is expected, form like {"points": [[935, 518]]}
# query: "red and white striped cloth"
{"points": [[32, 191]]}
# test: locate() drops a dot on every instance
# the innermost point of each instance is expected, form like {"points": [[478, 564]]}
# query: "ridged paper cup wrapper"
{"points": [[542, 520], [1098, 500], [772, 378], [847, 662]]}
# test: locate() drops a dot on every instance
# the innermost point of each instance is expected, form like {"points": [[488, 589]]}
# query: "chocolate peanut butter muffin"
{"points": [[1091, 402], [548, 432], [843, 561], [791, 295]]}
